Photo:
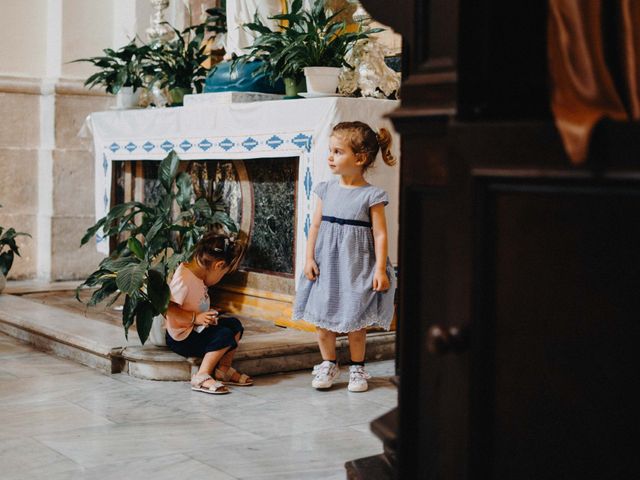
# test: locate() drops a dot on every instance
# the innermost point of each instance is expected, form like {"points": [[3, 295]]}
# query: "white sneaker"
{"points": [[325, 374], [358, 377]]}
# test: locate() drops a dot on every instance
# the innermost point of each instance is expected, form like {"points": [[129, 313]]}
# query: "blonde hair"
{"points": [[364, 140]]}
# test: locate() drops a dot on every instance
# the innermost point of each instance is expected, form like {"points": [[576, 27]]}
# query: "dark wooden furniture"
{"points": [[519, 309]]}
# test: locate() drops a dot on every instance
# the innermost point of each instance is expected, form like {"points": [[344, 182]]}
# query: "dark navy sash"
{"points": [[344, 221]]}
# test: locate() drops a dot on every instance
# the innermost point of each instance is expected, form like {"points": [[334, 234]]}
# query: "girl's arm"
{"points": [[311, 270], [379, 226], [181, 318]]}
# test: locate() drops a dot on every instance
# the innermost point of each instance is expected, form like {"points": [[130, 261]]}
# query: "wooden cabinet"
{"points": [[520, 273]]}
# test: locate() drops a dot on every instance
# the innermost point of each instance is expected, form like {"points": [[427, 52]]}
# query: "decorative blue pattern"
{"points": [[274, 142], [250, 143], [205, 145], [105, 164], [131, 146], [106, 201], [167, 146], [186, 145], [303, 141], [307, 225], [227, 144], [308, 183], [148, 146], [114, 147]]}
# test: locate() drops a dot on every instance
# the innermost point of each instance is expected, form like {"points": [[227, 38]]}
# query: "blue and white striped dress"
{"points": [[341, 298]]}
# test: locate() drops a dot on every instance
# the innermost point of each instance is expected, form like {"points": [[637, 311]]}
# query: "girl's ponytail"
{"points": [[384, 140]]}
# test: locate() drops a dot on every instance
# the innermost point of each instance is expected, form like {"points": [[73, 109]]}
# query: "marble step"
{"points": [[63, 333], [102, 345]]}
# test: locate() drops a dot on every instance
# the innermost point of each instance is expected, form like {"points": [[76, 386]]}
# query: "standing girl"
{"points": [[348, 282], [195, 330]]}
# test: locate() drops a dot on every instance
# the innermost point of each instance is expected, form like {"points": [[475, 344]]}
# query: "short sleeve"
{"points": [[378, 196], [321, 190], [178, 288]]}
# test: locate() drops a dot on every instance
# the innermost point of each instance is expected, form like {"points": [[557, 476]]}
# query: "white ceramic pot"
{"points": [[127, 98], [322, 79], [157, 333], [3, 281]]}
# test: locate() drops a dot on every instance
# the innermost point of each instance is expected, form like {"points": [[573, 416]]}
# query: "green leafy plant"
{"points": [[118, 68], [307, 39], [217, 19], [160, 236], [178, 64], [8, 248]]}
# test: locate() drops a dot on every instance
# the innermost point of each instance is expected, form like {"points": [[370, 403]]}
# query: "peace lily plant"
{"points": [[307, 38], [8, 250], [159, 237]]}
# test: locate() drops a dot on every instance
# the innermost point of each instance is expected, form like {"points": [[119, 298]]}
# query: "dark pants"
{"points": [[211, 339]]}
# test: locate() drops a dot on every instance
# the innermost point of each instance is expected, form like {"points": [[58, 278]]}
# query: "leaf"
{"points": [[168, 169], [136, 247], [158, 291], [6, 260], [144, 320], [153, 231], [131, 277], [107, 289], [185, 190], [90, 233], [128, 312]]}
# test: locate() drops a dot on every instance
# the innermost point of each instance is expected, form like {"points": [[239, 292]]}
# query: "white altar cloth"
{"points": [[268, 129]]}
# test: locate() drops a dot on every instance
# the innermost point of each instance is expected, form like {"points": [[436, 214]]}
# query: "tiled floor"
{"points": [[60, 420]]}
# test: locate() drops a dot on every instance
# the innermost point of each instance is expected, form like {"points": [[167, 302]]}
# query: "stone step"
{"points": [[102, 345]]}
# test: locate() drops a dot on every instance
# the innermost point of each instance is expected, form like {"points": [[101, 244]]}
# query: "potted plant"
{"points": [[160, 236], [313, 38], [8, 249], [120, 71], [179, 65]]}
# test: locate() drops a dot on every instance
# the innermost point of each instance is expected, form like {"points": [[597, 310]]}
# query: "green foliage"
{"points": [[178, 63], [312, 38], [8, 248], [217, 19], [118, 68], [159, 237]]}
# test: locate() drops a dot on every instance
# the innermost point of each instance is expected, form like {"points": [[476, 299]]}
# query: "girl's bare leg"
{"points": [[357, 344], [327, 343], [225, 361], [209, 362]]}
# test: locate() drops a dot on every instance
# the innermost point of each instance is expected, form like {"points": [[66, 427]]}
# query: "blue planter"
{"points": [[242, 79]]}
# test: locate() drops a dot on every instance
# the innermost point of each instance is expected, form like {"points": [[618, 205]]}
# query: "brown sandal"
{"points": [[227, 377], [217, 388]]}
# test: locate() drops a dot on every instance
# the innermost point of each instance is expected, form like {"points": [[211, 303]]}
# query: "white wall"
{"points": [[22, 43], [87, 28]]}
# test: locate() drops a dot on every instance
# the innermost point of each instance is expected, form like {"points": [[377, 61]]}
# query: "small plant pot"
{"points": [[292, 88], [127, 98], [322, 80], [157, 333], [176, 95]]}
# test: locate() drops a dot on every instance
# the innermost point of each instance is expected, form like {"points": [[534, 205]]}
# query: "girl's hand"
{"points": [[210, 317], [311, 269], [380, 281]]}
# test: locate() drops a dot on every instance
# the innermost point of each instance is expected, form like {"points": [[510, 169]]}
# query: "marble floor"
{"points": [[61, 420]]}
